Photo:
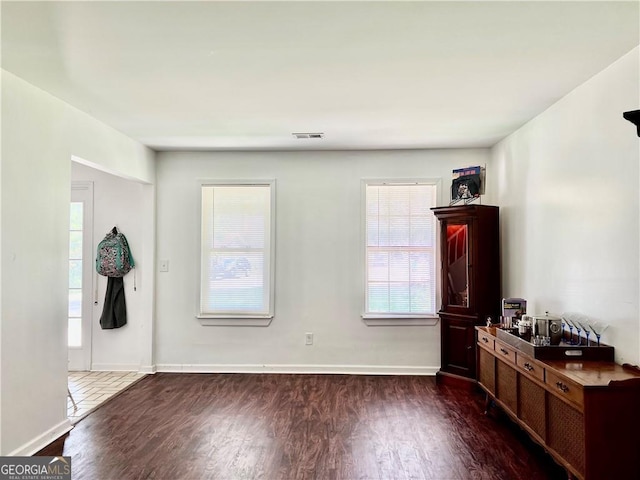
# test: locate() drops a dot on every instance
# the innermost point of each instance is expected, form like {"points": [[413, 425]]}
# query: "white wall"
{"points": [[39, 135], [567, 183], [319, 285], [116, 202]]}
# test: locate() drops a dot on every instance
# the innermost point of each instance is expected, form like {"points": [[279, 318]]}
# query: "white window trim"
{"points": [[396, 319], [225, 321], [241, 320], [392, 320]]}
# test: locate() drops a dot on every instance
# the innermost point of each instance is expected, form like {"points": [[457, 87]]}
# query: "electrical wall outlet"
{"points": [[308, 338]]}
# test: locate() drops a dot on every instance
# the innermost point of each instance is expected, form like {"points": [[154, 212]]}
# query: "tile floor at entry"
{"points": [[92, 389]]}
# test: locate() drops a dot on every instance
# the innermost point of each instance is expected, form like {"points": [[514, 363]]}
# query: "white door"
{"points": [[81, 267]]}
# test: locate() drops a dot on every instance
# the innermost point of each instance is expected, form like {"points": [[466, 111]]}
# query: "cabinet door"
{"points": [[458, 346], [487, 370], [456, 251], [506, 386], [532, 406], [565, 432]]}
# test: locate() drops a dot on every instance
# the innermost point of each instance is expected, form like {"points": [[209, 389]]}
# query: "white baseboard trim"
{"points": [[332, 369], [115, 367], [122, 367], [43, 440]]}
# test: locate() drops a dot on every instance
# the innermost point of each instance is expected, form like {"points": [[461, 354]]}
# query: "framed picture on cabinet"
{"points": [[467, 184]]}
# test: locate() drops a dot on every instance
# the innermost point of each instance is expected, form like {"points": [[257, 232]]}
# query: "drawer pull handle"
{"points": [[562, 386], [504, 352], [528, 366], [485, 340]]}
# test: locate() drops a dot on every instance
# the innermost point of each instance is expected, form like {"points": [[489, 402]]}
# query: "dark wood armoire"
{"points": [[470, 284]]}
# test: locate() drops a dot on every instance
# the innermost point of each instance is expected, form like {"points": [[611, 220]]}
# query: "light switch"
{"points": [[164, 265]]}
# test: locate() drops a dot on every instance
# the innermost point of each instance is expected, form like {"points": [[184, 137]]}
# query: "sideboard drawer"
{"points": [[505, 353], [486, 340], [565, 388], [530, 367]]}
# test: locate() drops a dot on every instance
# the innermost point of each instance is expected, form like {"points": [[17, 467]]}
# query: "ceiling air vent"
{"points": [[303, 136]]}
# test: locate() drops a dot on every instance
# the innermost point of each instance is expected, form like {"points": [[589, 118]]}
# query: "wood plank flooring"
{"points": [[275, 426]]}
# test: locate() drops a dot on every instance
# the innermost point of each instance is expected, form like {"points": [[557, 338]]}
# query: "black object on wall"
{"points": [[114, 312], [634, 117]]}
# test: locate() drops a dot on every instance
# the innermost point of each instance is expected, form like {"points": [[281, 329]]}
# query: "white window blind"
{"points": [[400, 250], [237, 251]]}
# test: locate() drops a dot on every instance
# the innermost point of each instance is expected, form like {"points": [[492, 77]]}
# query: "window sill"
{"points": [[214, 321], [373, 320]]}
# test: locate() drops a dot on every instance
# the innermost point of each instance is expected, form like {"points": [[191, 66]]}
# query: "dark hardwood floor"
{"points": [[274, 426]]}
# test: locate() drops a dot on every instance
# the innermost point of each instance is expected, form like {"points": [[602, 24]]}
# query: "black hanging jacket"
{"points": [[114, 313]]}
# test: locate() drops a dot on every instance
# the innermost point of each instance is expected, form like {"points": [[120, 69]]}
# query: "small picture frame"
{"points": [[467, 184]]}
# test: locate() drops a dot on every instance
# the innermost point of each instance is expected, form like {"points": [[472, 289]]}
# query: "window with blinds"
{"points": [[400, 231], [237, 251]]}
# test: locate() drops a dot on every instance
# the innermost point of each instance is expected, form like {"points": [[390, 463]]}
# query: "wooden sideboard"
{"points": [[585, 414]]}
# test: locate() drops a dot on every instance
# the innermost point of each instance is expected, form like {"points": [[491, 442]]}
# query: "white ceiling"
{"points": [[245, 75]]}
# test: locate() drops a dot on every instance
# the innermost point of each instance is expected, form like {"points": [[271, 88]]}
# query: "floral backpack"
{"points": [[114, 257]]}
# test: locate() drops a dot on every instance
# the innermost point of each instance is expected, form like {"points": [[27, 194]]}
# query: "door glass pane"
{"points": [[75, 302], [75, 332], [457, 265], [75, 274], [75, 245], [75, 216]]}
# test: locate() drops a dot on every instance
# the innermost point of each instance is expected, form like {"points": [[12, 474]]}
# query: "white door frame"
{"points": [[80, 357]]}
